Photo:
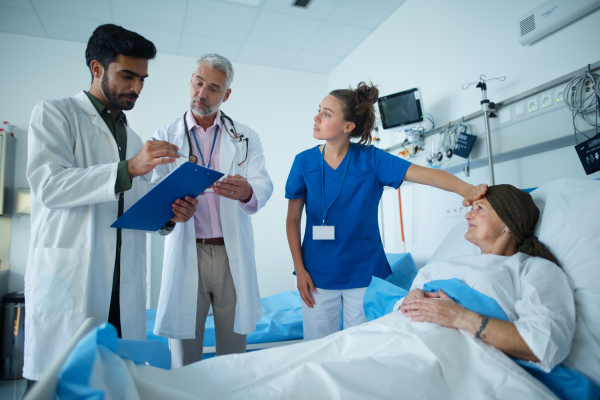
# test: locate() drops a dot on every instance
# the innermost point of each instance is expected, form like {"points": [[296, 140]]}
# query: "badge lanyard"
{"points": [[211, 150], [324, 232]]}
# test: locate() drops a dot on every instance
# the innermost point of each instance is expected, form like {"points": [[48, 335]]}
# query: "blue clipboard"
{"points": [[154, 210]]}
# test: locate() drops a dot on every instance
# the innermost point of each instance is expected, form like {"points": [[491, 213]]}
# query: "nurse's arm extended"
{"points": [[303, 279], [445, 181]]}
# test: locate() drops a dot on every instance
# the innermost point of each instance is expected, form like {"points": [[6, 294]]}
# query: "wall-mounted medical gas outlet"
{"points": [[520, 109], [532, 104], [459, 211], [547, 99], [560, 97]]}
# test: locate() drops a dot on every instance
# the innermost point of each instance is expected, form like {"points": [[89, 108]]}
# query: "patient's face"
{"points": [[485, 227]]}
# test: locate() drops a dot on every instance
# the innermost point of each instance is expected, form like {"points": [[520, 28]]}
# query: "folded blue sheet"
{"points": [[567, 384]]}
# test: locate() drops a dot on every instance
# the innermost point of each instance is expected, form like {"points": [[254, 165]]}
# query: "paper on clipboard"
{"points": [[154, 209]]}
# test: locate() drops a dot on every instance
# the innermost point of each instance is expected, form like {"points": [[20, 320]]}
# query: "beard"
{"points": [[204, 112], [119, 101]]}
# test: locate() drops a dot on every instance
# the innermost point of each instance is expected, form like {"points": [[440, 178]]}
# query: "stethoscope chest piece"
{"points": [[193, 159]]}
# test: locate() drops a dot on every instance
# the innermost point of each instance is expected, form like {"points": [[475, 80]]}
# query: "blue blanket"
{"points": [[567, 384]]}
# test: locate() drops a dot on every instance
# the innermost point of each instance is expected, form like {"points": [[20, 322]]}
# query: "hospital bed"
{"points": [[569, 225]]}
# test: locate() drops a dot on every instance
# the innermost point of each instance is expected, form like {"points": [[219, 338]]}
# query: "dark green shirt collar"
{"points": [[101, 108]]}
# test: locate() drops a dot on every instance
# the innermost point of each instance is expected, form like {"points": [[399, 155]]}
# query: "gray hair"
{"points": [[219, 62]]}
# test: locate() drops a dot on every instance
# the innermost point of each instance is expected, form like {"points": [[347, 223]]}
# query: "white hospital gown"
{"points": [[533, 292]]}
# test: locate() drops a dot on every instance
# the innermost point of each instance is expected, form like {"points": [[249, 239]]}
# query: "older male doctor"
{"points": [[210, 259]]}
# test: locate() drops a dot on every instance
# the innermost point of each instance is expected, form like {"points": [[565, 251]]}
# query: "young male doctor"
{"points": [[210, 259], [85, 167]]}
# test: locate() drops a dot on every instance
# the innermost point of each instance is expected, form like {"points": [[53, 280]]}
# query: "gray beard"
{"points": [[204, 112]]}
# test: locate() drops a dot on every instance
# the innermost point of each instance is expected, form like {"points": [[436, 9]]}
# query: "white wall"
{"points": [[279, 104], [439, 45]]}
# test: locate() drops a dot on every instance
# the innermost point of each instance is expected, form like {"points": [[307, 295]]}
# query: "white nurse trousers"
{"points": [[324, 318]]}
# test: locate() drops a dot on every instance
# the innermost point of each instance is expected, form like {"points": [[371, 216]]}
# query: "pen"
{"points": [[177, 152]]}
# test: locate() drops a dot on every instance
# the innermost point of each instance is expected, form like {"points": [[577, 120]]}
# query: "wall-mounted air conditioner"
{"points": [[550, 16]]}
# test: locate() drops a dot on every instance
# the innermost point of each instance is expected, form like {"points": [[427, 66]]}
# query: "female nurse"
{"points": [[341, 184]]}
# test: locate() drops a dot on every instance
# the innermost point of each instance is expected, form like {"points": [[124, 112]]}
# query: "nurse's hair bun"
{"points": [[358, 107]]}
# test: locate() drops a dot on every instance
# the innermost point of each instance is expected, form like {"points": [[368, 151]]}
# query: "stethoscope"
{"points": [[232, 134]]}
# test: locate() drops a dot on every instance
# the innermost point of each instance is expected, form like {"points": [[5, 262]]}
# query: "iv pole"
{"points": [[488, 109]]}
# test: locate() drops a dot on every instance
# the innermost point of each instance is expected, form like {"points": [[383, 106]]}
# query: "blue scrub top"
{"points": [[356, 254]]}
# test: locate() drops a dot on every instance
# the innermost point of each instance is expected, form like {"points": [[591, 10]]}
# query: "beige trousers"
{"points": [[215, 285]]}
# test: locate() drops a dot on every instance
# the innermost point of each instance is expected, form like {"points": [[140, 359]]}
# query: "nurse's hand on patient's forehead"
{"points": [[474, 193]]}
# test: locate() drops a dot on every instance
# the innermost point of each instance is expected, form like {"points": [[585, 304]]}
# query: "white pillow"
{"points": [[570, 227]]}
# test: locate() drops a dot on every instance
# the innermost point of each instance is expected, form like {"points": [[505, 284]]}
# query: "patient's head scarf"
{"points": [[520, 214]]}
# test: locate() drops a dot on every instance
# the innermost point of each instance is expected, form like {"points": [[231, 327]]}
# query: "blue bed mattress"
{"points": [[282, 319]]}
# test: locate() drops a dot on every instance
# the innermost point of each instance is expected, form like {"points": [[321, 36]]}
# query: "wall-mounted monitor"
{"points": [[401, 110]]}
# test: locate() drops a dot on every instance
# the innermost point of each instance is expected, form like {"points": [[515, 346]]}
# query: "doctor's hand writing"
{"points": [[234, 187], [153, 153], [474, 193], [184, 209]]}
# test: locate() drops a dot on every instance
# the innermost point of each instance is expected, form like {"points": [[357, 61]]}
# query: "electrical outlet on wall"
{"points": [[560, 93], [547, 99], [532, 104]]}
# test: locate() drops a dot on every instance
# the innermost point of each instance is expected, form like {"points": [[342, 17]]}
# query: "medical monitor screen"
{"points": [[400, 109]]}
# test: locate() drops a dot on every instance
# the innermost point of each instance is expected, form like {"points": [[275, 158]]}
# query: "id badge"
{"points": [[323, 232]]}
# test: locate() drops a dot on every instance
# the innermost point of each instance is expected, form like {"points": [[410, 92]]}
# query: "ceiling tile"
{"points": [[283, 30], [165, 41], [167, 15], [69, 28], [237, 22], [89, 9], [315, 62], [18, 20], [17, 3], [195, 46], [318, 9], [254, 3], [368, 14], [337, 39], [269, 56]]}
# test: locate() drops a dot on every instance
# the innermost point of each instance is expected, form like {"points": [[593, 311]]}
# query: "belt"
{"points": [[215, 241]]}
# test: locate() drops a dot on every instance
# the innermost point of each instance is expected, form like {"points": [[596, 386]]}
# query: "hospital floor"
{"points": [[12, 390]]}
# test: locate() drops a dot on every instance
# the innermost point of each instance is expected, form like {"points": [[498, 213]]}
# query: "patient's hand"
{"points": [[474, 193], [416, 294], [445, 311]]}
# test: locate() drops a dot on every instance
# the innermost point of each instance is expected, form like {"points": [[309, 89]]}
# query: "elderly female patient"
{"points": [[514, 269]]}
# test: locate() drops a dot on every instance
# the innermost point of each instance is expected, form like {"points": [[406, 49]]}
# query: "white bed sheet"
{"points": [[389, 358]]}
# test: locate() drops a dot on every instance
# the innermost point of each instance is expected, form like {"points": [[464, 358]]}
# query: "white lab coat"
{"points": [[72, 170], [176, 314]]}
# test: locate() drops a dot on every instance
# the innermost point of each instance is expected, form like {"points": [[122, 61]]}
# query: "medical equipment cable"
{"points": [[580, 103]]}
